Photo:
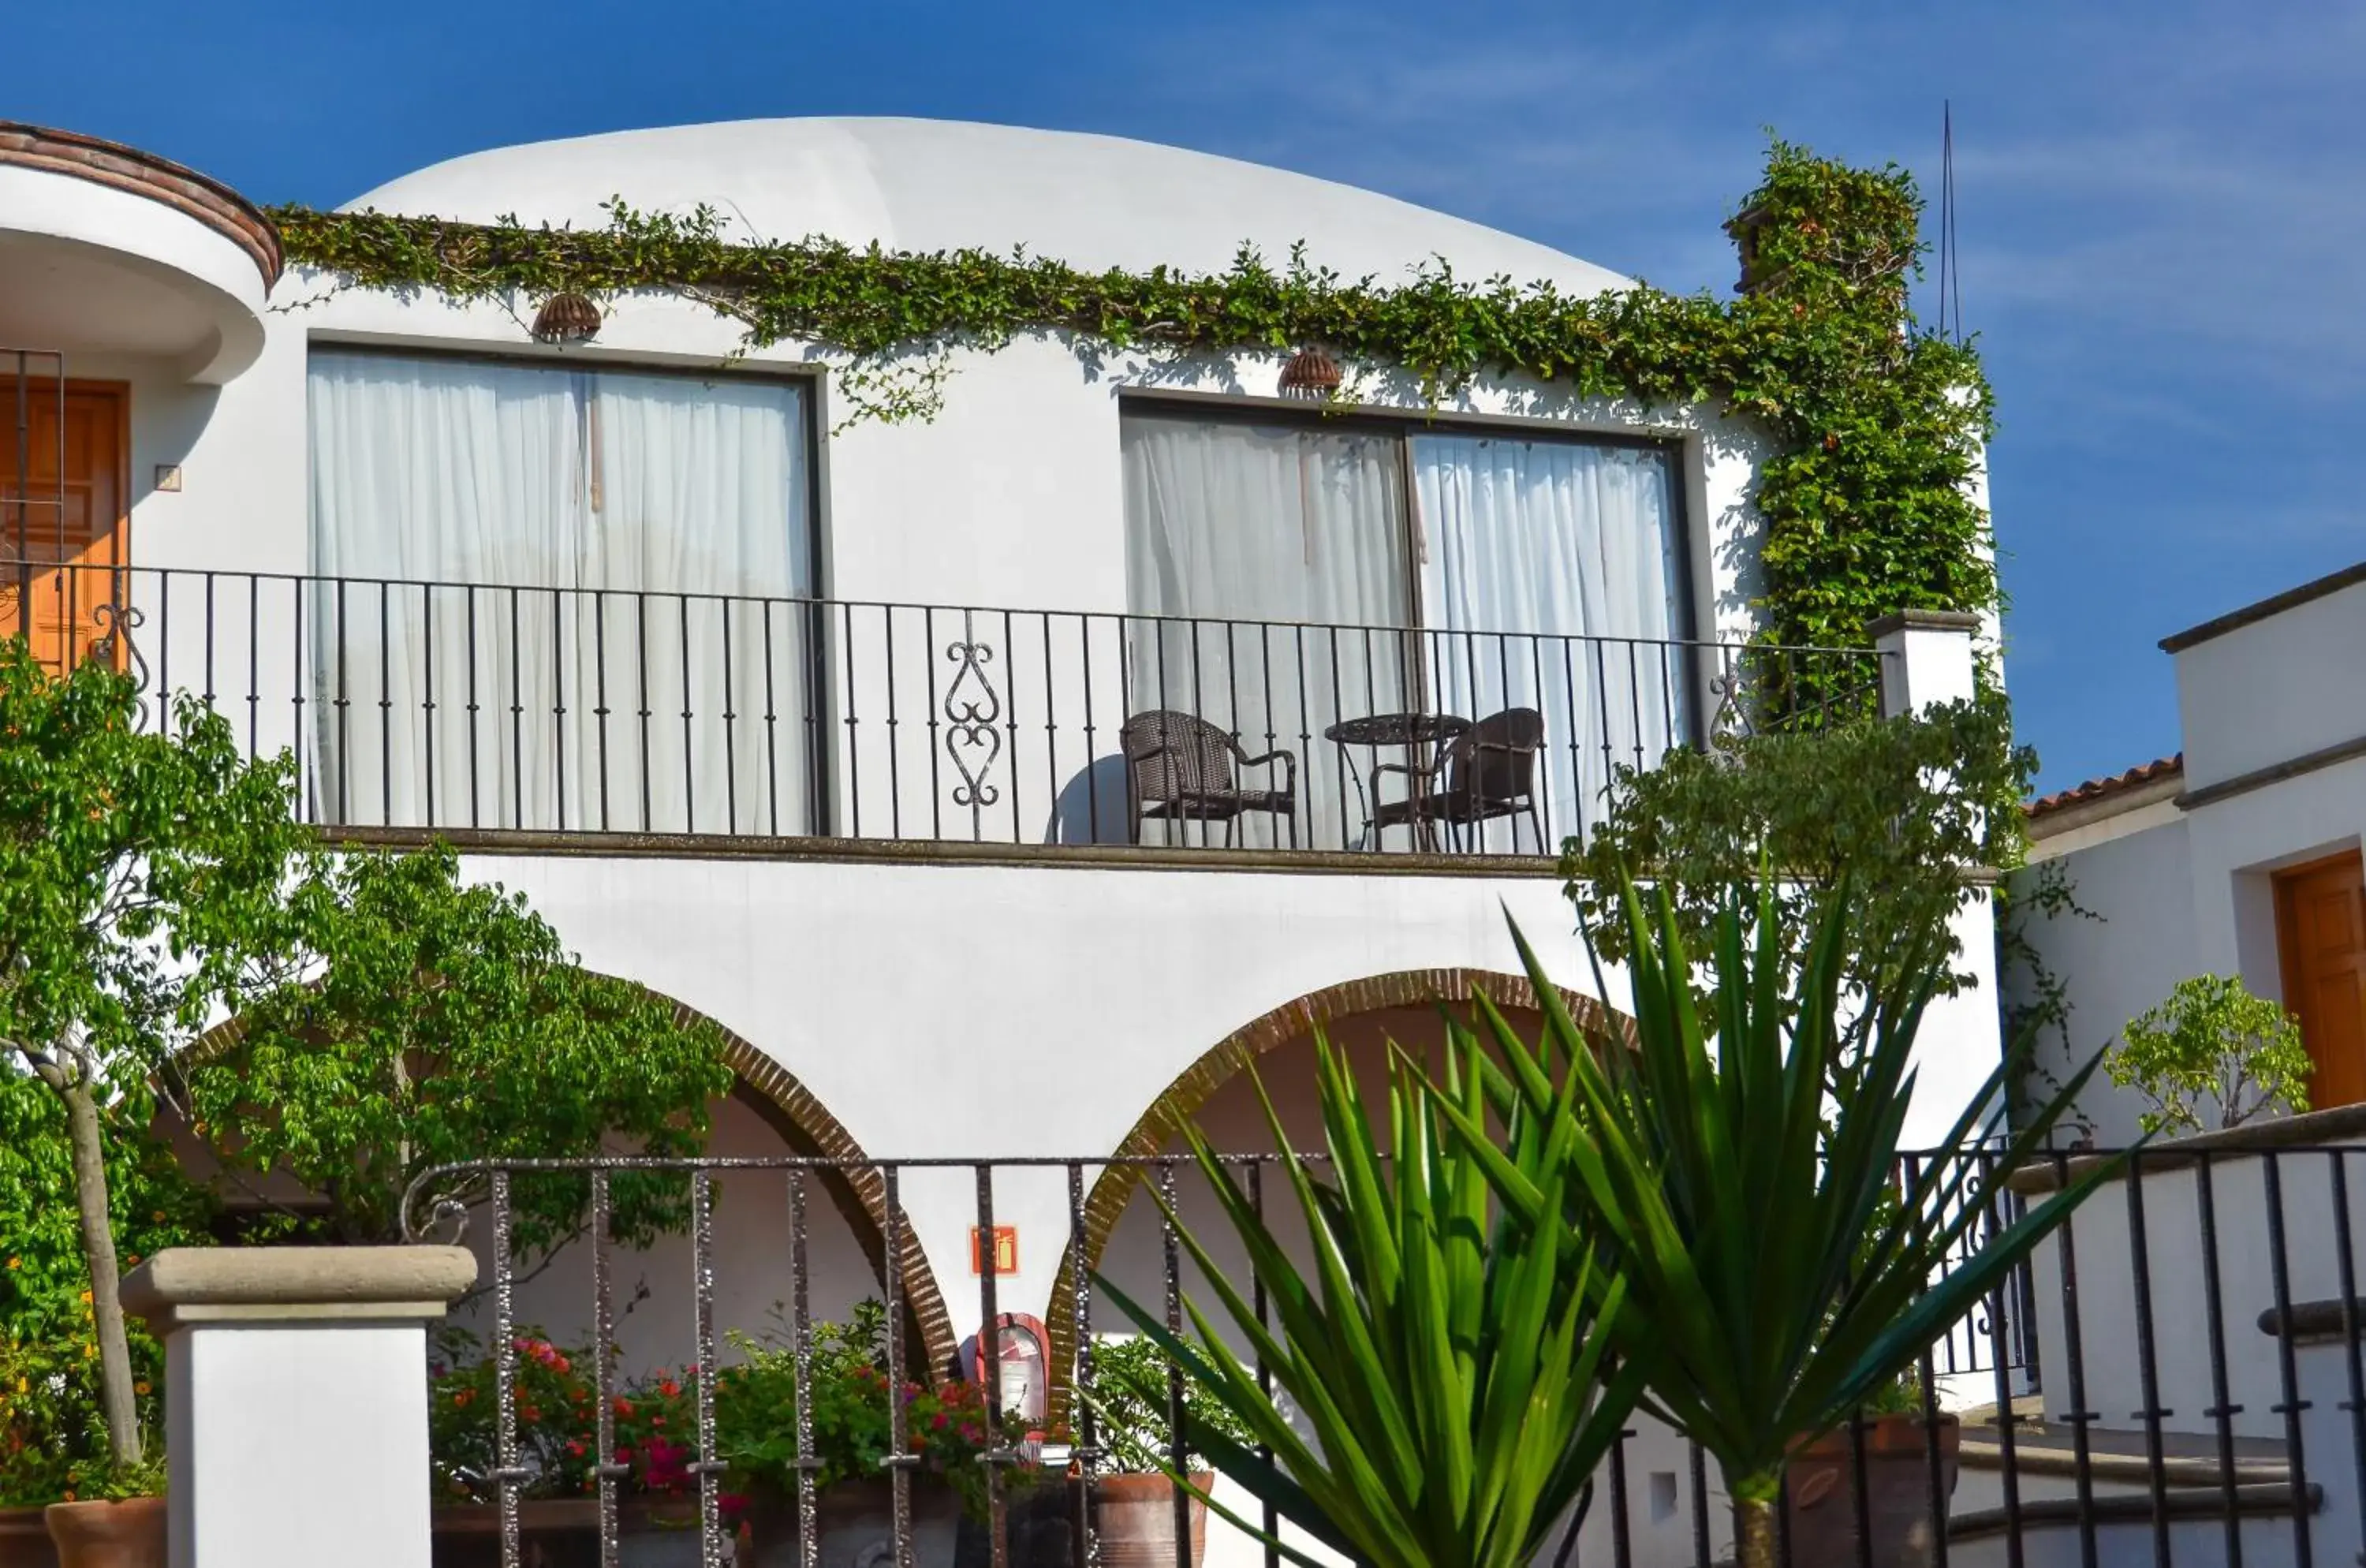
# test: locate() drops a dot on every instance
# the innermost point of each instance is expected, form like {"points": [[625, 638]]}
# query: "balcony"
{"points": [[482, 709]]}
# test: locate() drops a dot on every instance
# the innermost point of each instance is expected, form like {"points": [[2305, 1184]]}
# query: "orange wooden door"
{"points": [[2321, 935], [63, 533]]}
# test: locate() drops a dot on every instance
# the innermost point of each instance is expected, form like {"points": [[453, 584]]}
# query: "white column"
{"points": [[296, 1399], [1926, 657]]}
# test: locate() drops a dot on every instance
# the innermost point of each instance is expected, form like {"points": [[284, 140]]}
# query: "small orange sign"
{"points": [[1006, 1250]]}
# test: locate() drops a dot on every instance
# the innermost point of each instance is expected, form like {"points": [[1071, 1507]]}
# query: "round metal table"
{"points": [[1410, 733]]}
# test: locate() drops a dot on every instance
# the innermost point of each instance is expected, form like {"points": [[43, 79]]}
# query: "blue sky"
{"points": [[2162, 213]]}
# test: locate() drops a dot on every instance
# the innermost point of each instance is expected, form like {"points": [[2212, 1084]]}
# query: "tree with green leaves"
{"points": [[1778, 1275], [2211, 1041], [1902, 813], [140, 880], [53, 1437], [419, 1019]]}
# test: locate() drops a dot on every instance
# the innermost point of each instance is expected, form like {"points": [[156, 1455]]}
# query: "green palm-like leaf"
{"points": [[1772, 1269], [1448, 1355]]}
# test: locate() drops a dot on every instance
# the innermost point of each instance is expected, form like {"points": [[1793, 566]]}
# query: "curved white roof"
{"points": [[925, 184]]}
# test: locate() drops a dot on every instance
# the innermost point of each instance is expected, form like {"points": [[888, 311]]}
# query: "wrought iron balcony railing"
{"points": [[461, 706]]}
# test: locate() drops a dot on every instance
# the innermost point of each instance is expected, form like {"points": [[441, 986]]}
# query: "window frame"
{"points": [[810, 383], [1402, 427]]}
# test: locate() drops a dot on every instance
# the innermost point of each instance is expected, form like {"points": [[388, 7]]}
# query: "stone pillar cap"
{"points": [[184, 1285], [1921, 621]]}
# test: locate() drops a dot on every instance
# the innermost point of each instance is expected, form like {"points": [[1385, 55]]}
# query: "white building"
{"points": [[814, 725], [2237, 856]]}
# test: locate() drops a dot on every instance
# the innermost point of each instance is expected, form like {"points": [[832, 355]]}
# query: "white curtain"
{"points": [[1279, 554], [566, 599], [1551, 579]]}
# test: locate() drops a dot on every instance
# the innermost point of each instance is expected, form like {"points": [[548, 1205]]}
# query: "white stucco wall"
{"points": [[2274, 690], [994, 1012], [2111, 1372], [2139, 941]]}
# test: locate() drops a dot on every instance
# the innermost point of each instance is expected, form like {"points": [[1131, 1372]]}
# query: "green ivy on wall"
{"points": [[1876, 428]]}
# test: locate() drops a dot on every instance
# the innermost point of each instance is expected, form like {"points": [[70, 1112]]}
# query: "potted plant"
{"points": [[120, 1524], [1819, 1480], [555, 1422], [1127, 1391], [853, 1393]]}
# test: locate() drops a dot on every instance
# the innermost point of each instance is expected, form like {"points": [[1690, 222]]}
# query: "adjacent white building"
{"points": [[2239, 855]]}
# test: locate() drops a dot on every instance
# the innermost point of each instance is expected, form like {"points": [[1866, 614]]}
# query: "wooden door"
{"points": [[2321, 939], [62, 527]]}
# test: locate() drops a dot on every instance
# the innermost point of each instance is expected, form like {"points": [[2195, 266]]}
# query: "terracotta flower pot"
{"points": [[129, 1534], [25, 1540], [1822, 1489], [1135, 1517]]}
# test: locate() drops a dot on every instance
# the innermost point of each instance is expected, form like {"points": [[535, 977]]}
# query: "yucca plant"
{"points": [[1448, 1360], [1746, 1193]]}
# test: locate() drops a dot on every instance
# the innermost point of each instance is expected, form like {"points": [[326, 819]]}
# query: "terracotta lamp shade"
{"points": [[1311, 374], [566, 318]]}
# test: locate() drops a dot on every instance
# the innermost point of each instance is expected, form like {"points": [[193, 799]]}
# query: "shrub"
{"points": [[851, 1387], [2213, 1039]]}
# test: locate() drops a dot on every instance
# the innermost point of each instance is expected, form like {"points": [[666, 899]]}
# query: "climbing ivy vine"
{"points": [[1876, 427]]}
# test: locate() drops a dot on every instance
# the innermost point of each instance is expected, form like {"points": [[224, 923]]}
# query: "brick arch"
{"points": [[808, 1129], [1114, 1189]]}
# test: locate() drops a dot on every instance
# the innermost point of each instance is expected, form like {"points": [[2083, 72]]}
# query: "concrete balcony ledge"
{"points": [[2310, 1130], [185, 1286]]}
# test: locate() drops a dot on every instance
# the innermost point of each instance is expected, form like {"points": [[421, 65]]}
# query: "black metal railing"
{"points": [[464, 706], [2200, 1319]]}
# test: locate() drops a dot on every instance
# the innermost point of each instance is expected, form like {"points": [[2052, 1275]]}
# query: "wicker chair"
{"points": [[1488, 770], [1180, 768]]}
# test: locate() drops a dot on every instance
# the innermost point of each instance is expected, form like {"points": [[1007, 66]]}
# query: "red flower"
{"points": [[937, 1422], [624, 1407], [670, 1388], [575, 1450]]}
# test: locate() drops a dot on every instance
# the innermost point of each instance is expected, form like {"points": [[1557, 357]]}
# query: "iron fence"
{"points": [[2198, 1322], [466, 706]]}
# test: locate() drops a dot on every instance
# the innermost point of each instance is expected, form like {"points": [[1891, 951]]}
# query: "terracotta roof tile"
{"points": [[2098, 789]]}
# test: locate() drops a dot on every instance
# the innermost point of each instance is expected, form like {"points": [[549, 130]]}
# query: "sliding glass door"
{"points": [[1551, 580], [565, 599], [1266, 565], [1326, 573]]}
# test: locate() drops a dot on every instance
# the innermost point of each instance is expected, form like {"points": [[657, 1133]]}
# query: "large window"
{"points": [[1456, 573], [562, 597]]}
